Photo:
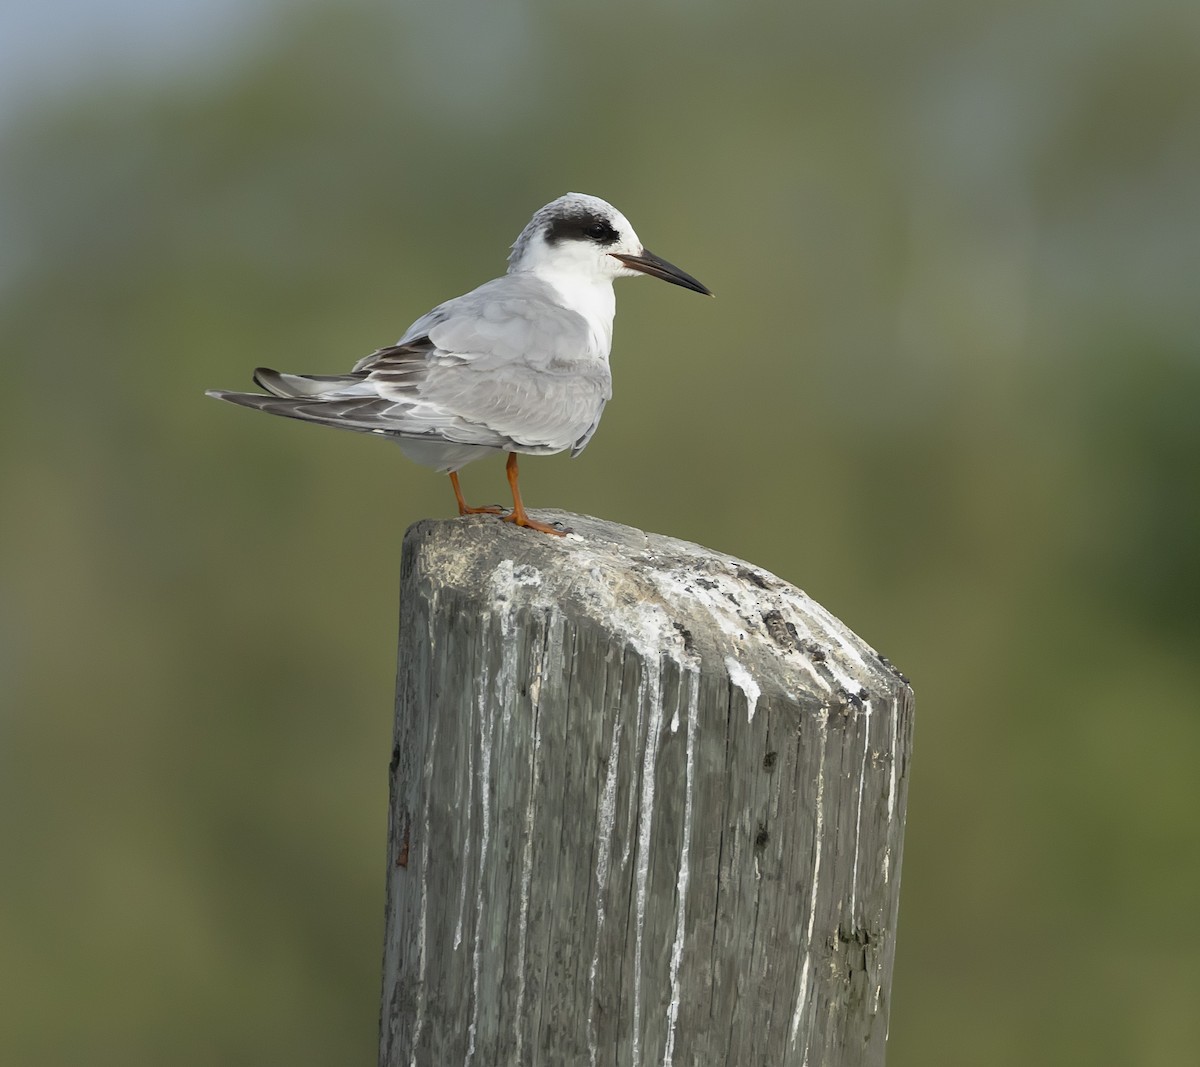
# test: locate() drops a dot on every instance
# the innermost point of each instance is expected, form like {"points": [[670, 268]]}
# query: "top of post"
{"points": [[664, 596]]}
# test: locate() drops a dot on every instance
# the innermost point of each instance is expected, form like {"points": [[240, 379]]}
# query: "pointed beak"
{"points": [[648, 263]]}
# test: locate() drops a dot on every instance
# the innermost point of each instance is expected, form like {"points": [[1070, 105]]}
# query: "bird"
{"points": [[518, 365]]}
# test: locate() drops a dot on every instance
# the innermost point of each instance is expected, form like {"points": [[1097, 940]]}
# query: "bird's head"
{"points": [[588, 239]]}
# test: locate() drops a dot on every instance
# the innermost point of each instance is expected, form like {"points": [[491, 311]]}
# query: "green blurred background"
{"points": [[951, 387]]}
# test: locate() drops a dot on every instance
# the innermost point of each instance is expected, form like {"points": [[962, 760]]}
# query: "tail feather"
{"points": [[368, 414], [297, 386], [361, 414]]}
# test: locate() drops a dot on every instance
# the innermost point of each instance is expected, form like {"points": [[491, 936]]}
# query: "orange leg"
{"points": [[463, 509], [519, 515]]}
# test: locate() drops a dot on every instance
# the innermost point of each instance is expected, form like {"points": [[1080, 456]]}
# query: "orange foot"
{"points": [[522, 519], [463, 507], [519, 516]]}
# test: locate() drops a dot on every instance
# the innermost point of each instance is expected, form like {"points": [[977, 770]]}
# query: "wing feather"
{"points": [[506, 357]]}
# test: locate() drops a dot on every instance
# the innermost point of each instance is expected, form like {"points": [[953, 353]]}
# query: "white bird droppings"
{"points": [[681, 883], [818, 840], [743, 679]]}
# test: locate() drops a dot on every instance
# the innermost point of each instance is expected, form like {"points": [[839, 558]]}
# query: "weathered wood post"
{"points": [[647, 808]]}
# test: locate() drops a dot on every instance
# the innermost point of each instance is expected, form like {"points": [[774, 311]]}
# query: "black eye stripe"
{"points": [[585, 227]]}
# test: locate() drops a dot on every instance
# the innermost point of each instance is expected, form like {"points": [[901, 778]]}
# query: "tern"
{"points": [[518, 365]]}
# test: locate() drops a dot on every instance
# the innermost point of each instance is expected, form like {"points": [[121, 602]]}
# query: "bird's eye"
{"points": [[599, 231]]}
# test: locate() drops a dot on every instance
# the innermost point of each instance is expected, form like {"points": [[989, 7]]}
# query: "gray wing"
{"points": [[506, 357], [504, 366]]}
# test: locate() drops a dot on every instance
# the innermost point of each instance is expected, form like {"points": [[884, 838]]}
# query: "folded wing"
{"points": [[503, 367]]}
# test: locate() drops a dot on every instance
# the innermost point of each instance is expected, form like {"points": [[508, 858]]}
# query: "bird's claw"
{"points": [[523, 519]]}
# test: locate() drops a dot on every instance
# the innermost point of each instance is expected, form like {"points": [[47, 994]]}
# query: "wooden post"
{"points": [[647, 808]]}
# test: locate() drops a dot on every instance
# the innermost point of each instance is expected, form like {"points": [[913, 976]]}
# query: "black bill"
{"points": [[648, 263]]}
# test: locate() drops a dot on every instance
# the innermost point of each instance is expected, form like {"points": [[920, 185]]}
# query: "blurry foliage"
{"points": [[949, 387]]}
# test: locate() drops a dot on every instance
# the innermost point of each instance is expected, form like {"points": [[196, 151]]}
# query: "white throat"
{"points": [[592, 297]]}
